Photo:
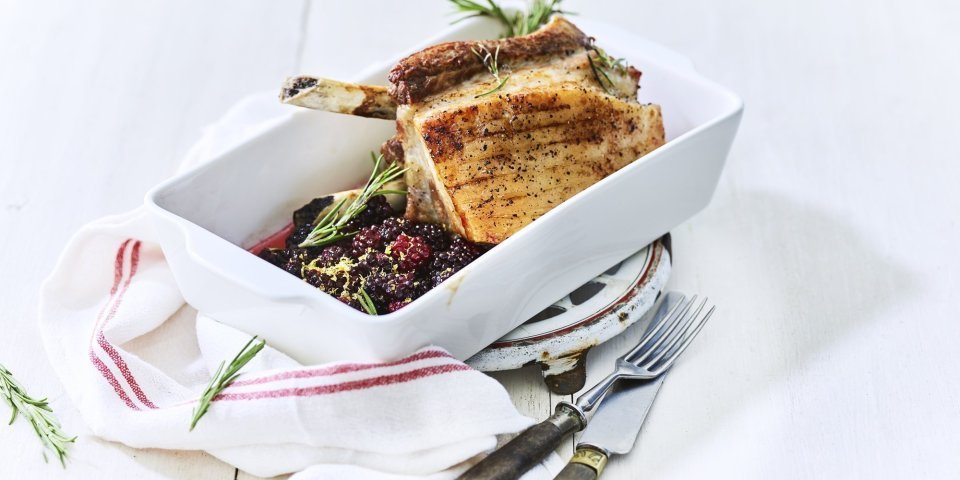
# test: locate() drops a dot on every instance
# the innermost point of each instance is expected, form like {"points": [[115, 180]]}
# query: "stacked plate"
{"points": [[559, 337]]}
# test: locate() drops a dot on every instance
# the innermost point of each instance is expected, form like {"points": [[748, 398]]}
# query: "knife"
{"points": [[614, 428], [648, 359], [612, 431], [669, 332]]}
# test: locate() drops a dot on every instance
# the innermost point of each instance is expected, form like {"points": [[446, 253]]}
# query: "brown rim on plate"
{"points": [[651, 264], [559, 337]]}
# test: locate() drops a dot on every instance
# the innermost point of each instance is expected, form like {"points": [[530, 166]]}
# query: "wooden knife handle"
{"points": [[587, 464], [577, 471], [528, 449]]}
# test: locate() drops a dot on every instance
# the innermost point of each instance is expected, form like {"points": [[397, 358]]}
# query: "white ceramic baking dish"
{"points": [[207, 218]]}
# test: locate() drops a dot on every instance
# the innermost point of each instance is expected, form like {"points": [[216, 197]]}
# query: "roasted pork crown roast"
{"points": [[486, 156]]}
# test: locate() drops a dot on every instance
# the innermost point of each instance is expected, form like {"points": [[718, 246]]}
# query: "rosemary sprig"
{"points": [[601, 63], [476, 9], [38, 413], [366, 302], [492, 62], [225, 376], [520, 23], [331, 226], [536, 15]]}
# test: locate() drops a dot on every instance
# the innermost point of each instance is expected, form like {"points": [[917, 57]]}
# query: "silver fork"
{"points": [[656, 352], [666, 339]]}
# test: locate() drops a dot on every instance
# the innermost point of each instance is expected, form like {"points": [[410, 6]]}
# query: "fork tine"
{"points": [[684, 326], [674, 322], [666, 319], [686, 343]]}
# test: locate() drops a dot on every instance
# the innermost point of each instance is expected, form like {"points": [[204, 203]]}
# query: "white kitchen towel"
{"points": [[134, 358]]}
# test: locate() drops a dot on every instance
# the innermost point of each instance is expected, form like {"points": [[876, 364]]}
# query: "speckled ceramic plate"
{"points": [[559, 337]]}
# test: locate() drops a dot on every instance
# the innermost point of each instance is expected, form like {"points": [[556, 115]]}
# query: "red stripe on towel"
{"points": [[112, 380], [347, 386], [117, 276], [337, 369], [134, 263], [116, 298], [118, 266], [124, 370], [117, 292]]}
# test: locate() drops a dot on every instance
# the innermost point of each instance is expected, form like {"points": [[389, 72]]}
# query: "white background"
{"points": [[830, 245]]}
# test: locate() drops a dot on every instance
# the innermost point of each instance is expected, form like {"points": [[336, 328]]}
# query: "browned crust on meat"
{"points": [[500, 176], [392, 150], [437, 68], [634, 75]]}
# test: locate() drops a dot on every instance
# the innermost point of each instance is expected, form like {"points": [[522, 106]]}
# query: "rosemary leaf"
{"points": [[476, 9], [38, 413], [520, 23], [500, 85], [536, 15], [601, 63], [224, 376], [492, 62], [601, 75], [366, 302]]}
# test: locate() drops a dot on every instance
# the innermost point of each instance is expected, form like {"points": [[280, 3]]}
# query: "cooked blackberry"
{"points": [[307, 214], [392, 227], [397, 305], [375, 261], [439, 276], [435, 235], [393, 259], [298, 235], [367, 238], [421, 287], [298, 257], [378, 209], [409, 252], [352, 302], [330, 256], [401, 285], [322, 280], [376, 287], [290, 260], [276, 256], [456, 257]]}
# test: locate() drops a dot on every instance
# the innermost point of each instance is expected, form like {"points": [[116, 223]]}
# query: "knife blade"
{"points": [[614, 428]]}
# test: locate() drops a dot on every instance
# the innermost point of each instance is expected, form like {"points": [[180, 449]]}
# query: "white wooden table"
{"points": [[831, 244]]}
